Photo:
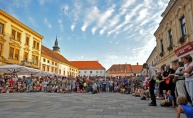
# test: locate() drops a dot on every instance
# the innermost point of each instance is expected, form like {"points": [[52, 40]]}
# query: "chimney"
{"points": [[137, 63]]}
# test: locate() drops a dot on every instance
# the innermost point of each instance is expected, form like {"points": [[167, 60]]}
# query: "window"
{"points": [[13, 34], [64, 72], [52, 69], [16, 54], [34, 44], [59, 71], [84, 71], [52, 63], [100, 71], [183, 26], [11, 52], [170, 37], [55, 64], [1, 28], [0, 49], [27, 40], [18, 36], [96, 71], [48, 68], [161, 46], [48, 61], [25, 56], [56, 70], [37, 46], [36, 60], [79, 72], [44, 68], [44, 60], [90, 71], [33, 59]]}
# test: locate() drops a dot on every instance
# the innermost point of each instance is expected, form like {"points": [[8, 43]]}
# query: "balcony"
{"points": [[170, 47], [26, 63], [161, 54], [182, 39]]}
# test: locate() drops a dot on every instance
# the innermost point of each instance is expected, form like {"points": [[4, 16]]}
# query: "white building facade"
{"points": [[91, 72], [89, 68]]}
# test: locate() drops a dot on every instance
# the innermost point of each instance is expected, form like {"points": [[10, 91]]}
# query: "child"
{"points": [[169, 102], [157, 87], [183, 106], [107, 84], [164, 94]]}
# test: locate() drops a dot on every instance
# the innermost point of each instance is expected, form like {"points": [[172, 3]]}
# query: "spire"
{"points": [[55, 47], [56, 42]]}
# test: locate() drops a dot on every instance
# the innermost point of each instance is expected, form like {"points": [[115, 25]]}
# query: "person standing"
{"points": [[152, 76], [188, 73]]}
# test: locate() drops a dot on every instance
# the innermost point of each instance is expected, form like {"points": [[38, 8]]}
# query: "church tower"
{"points": [[55, 47]]}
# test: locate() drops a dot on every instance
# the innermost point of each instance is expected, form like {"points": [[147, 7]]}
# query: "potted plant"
{"points": [[161, 54], [170, 47], [182, 39]]}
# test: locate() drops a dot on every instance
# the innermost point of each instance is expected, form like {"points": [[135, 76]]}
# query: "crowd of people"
{"points": [[174, 86], [94, 84]]}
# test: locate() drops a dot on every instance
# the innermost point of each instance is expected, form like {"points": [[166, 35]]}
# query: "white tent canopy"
{"points": [[22, 70]]}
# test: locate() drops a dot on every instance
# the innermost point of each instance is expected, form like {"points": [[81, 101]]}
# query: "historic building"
{"points": [[124, 70], [174, 35], [53, 61], [153, 59], [89, 68], [18, 43]]}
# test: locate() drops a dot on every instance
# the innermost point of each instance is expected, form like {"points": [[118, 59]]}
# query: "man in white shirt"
{"points": [[94, 86], [151, 76]]}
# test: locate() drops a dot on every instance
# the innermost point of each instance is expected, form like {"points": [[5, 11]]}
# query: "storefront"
{"points": [[186, 49]]}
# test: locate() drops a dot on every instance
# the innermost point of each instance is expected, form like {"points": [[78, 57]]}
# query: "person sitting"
{"points": [[145, 93], [122, 90], [169, 101], [138, 91], [184, 107]]}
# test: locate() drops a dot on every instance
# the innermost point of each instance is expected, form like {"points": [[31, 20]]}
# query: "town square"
{"points": [[96, 59]]}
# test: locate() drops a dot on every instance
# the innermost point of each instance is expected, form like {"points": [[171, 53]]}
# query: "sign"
{"points": [[184, 49]]}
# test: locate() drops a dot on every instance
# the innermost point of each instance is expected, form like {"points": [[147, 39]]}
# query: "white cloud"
{"points": [[104, 16], [43, 2], [83, 28], [72, 27], [32, 21], [21, 3], [61, 25], [47, 23], [94, 30], [65, 9], [90, 16], [127, 19], [142, 15], [102, 30], [95, 15]]}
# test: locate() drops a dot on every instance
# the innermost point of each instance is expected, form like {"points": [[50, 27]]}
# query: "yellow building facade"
{"points": [[53, 61], [174, 36], [18, 43], [153, 59]]}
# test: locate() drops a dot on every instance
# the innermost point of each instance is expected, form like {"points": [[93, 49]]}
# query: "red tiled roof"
{"points": [[87, 64], [54, 55], [136, 68], [122, 68]]}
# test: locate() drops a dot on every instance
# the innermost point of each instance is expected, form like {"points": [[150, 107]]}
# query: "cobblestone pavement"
{"points": [[79, 105]]}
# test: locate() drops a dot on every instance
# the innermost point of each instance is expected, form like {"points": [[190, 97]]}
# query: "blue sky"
{"points": [[110, 31]]}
